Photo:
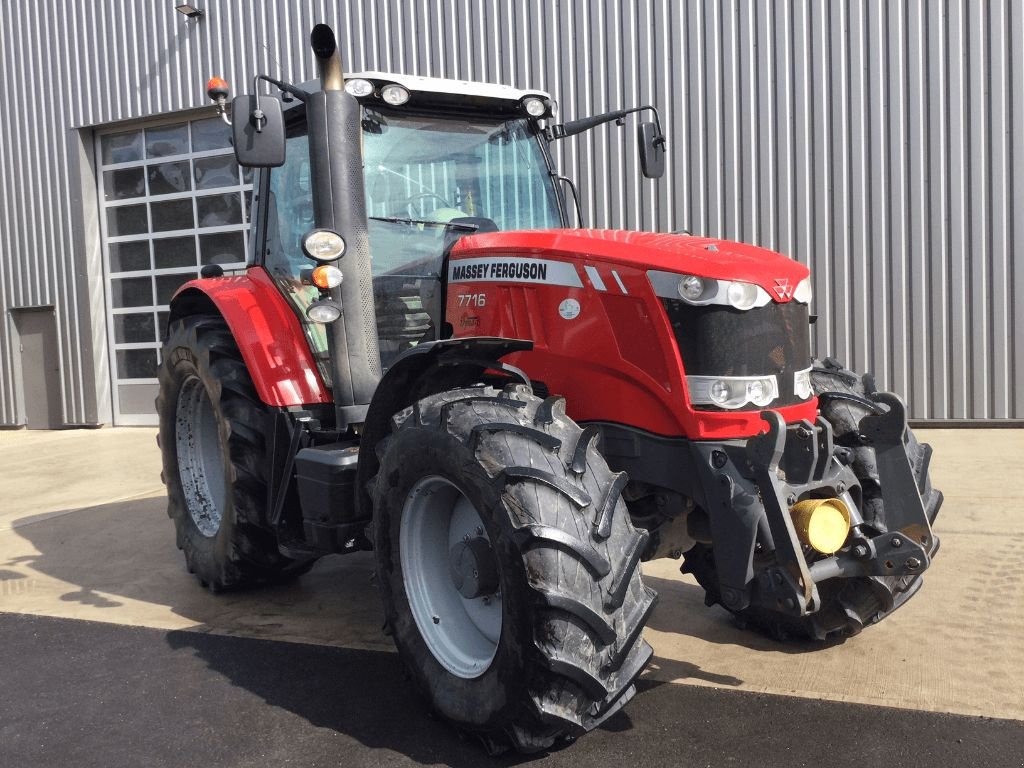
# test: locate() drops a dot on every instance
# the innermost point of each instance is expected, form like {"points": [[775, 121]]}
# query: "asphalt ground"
{"points": [[90, 694], [114, 656]]}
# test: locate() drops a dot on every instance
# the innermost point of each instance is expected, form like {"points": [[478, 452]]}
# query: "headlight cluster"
{"points": [[701, 291], [392, 93], [734, 392], [324, 246]]}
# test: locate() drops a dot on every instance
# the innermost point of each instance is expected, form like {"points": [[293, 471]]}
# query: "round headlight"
{"points": [[394, 94], [759, 392], [359, 87], [327, 276], [691, 287], [323, 245], [534, 107], [325, 311], [741, 295], [719, 392]]}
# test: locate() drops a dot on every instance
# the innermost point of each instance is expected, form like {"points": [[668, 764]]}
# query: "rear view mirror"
{"points": [[258, 127], [652, 150]]}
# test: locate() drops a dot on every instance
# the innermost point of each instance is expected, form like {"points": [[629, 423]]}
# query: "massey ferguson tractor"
{"points": [[425, 358]]}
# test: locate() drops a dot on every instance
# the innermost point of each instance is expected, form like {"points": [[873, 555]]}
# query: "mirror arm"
{"points": [[258, 118], [574, 127], [660, 138], [288, 88]]}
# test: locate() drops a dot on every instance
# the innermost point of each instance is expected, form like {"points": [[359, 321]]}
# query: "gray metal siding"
{"points": [[882, 143]]}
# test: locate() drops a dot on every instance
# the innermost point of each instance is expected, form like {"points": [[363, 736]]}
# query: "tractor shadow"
{"points": [[362, 694], [336, 669], [313, 647], [681, 612]]}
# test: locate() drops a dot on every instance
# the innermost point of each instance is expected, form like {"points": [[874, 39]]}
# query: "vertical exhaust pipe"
{"points": [[339, 203], [328, 58]]}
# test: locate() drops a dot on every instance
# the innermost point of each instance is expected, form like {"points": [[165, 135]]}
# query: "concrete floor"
{"points": [[84, 535]]}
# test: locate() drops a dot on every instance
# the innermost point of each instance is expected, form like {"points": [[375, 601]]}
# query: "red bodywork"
{"points": [[269, 336], [617, 359]]}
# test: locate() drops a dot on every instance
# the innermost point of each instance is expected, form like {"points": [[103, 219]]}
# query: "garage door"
{"points": [[172, 200]]}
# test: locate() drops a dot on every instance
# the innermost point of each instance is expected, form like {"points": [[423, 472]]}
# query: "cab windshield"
{"points": [[424, 174]]}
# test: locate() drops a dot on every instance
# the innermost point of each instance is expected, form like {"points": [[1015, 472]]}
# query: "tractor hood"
{"points": [[685, 254]]}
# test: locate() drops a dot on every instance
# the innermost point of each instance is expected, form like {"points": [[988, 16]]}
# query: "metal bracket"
{"points": [[765, 452], [734, 508], [281, 459], [888, 554], [901, 497]]}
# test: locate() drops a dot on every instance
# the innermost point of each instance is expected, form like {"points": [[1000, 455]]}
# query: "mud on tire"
{"points": [[848, 605], [572, 604], [212, 428]]}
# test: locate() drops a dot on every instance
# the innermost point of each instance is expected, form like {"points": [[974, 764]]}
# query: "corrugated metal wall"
{"points": [[881, 142]]}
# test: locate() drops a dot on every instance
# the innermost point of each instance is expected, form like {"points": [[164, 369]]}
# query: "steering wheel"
{"points": [[413, 199]]}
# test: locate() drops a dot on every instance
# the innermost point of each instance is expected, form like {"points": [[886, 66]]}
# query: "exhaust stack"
{"points": [[339, 203], [328, 58]]}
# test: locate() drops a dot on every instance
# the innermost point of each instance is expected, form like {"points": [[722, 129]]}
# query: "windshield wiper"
{"points": [[453, 224]]}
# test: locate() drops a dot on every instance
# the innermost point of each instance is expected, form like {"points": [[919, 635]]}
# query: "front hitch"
{"points": [[752, 487]]}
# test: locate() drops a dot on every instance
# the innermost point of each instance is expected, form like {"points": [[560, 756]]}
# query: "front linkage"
{"points": [[768, 572]]}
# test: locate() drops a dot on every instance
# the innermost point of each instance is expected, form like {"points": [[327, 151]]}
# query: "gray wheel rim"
{"points": [[461, 633], [200, 457]]}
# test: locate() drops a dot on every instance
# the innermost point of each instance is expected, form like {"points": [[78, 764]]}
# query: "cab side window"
{"points": [[290, 209]]}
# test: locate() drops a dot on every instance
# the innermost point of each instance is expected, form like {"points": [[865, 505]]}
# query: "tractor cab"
{"points": [[441, 158]]}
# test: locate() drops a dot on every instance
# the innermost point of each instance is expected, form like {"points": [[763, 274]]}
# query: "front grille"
{"points": [[721, 341]]}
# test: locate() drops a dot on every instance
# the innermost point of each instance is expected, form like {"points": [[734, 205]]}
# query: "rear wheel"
{"points": [[509, 567], [212, 428], [847, 605]]}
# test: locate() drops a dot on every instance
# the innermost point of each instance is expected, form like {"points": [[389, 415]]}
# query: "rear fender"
{"points": [[425, 370], [266, 330]]}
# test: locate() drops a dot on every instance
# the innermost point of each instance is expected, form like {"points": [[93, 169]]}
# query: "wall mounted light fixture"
{"points": [[190, 11]]}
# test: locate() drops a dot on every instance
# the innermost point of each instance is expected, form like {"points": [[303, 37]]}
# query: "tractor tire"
{"points": [[509, 567], [212, 427], [847, 605]]}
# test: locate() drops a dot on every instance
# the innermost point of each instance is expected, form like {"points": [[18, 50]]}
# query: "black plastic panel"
{"points": [[722, 341]]}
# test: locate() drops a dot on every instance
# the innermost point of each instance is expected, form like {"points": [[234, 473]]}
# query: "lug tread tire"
{"points": [[244, 551], [577, 617], [556, 537]]}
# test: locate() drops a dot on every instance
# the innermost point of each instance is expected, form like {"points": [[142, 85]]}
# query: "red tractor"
{"points": [[424, 359]]}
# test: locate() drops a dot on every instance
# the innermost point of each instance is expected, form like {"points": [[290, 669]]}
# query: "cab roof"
{"points": [[438, 91]]}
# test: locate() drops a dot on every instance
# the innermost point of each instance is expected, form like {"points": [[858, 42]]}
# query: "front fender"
{"points": [[424, 370], [266, 330]]}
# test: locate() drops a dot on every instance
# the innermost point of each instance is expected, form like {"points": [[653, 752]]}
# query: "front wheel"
{"points": [[509, 567]]}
